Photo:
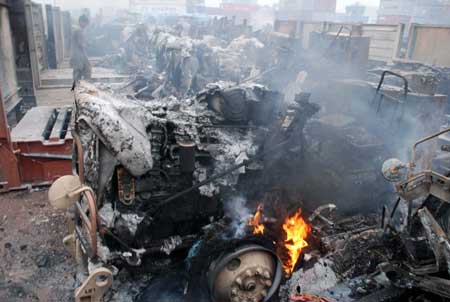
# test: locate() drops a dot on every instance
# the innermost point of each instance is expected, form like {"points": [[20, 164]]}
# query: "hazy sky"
{"points": [[340, 3], [124, 3]]}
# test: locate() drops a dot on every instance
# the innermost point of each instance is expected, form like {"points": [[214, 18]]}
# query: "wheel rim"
{"points": [[250, 273]]}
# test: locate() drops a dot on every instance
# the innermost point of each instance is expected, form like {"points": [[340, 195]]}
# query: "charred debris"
{"points": [[241, 167]]}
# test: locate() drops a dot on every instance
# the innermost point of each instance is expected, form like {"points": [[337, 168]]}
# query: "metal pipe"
{"points": [[47, 156], [412, 164], [405, 81], [395, 207], [80, 161], [383, 216], [91, 221]]}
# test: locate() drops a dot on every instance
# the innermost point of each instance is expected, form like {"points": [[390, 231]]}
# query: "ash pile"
{"points": [[241, 168]]}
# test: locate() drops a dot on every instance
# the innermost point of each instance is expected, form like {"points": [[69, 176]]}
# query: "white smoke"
{"points": [[236, 209]]}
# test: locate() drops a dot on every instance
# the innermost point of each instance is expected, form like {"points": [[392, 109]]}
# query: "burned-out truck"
{"points": [[150, 180], [424, 234]]}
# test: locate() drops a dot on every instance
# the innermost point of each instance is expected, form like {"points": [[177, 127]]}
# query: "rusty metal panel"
{"points": [[9, 173], [45, 143], [9, 169], [40, 164], [429, 44]]}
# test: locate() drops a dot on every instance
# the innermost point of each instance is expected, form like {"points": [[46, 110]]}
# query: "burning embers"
{"points": [[296, 231], [257, 221]]}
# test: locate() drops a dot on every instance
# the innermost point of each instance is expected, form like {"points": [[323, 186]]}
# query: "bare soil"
{"points": [[34, 264]]}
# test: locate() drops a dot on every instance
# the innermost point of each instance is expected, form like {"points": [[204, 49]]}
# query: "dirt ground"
{"points": [[34, 264]]}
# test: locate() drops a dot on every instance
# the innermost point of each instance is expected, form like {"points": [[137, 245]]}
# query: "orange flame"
{"points": [[297, 230], [255, 221]]}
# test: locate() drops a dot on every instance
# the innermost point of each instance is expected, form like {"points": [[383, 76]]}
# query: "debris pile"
{"points": [[204, 150], [181, 156], [184, 64]]}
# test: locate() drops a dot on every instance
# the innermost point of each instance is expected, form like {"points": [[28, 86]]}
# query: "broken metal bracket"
{"points": [[317, 213], [95, 286], [423, 184]]}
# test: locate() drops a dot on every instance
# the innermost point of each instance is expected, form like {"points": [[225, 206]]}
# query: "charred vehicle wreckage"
{"points": [[199, 184], [156, 178], [179, 212]]}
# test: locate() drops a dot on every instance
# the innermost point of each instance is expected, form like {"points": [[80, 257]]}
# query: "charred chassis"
{"points": [[156, 174]]}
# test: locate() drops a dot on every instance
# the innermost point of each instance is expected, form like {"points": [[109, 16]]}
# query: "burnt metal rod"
{"points": [[118, 239], [383, 216], [217, 176], [405, 81], [47, 156], [413, 156], [395, 207], [205, 182]]}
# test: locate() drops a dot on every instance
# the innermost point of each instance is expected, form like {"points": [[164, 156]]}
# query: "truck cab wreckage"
{"points": [[425, 238], [154, 178], [167, 168], [151, 178]]}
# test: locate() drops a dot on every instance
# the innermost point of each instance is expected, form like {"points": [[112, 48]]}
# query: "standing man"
{"points": [[79, 60]]}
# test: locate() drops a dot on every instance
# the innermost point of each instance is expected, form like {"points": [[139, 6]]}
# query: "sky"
{"points": [[124, 3], [341, 4]]}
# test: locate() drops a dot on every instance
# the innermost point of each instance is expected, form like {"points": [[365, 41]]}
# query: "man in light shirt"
{"points": [[79, 60]]}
